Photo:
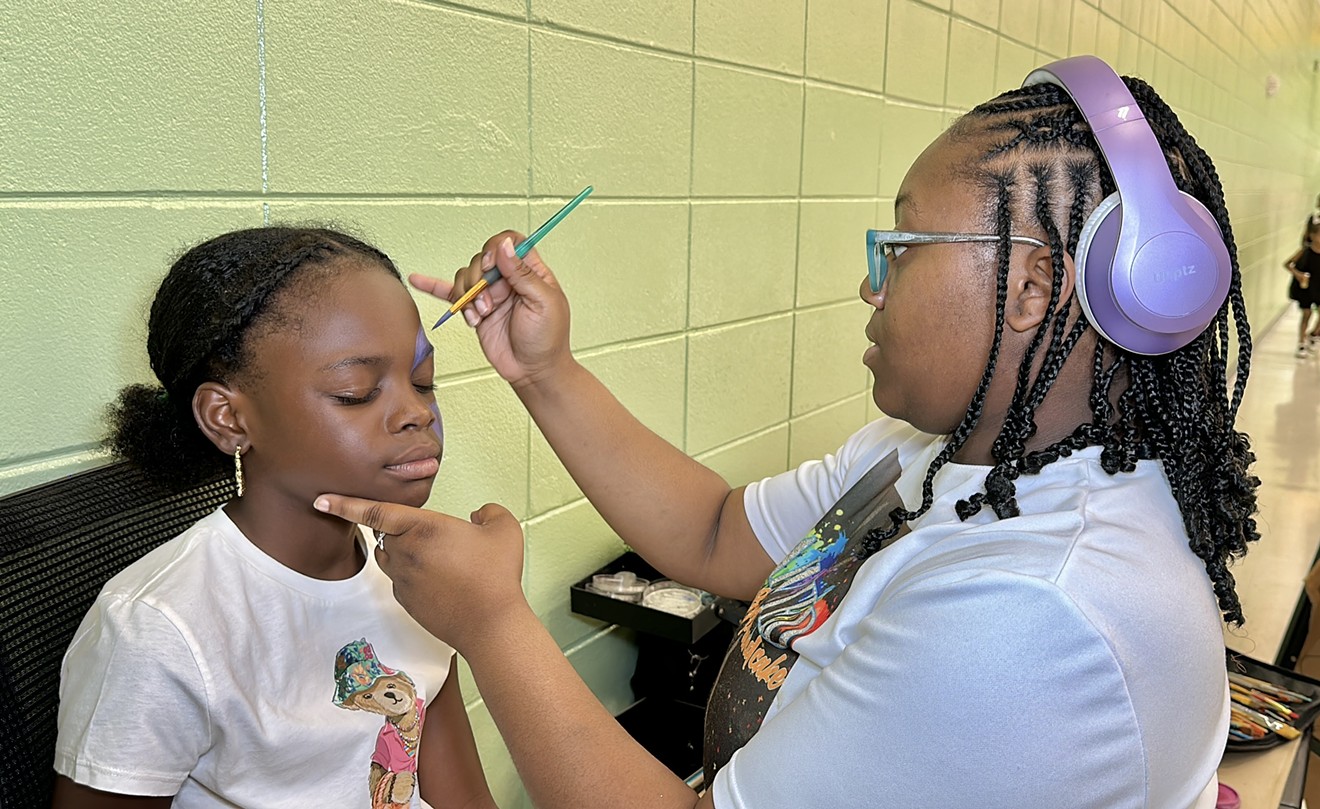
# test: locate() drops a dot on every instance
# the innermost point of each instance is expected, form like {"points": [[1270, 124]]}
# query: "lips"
{"points": [[418, 463]]}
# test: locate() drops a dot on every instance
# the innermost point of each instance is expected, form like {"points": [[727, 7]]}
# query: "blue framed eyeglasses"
{"points": [[883, 246]]}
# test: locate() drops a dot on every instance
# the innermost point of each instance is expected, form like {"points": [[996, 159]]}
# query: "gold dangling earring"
{"points": [[238, 469]]}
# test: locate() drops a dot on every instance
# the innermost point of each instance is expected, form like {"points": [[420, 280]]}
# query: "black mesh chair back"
{"points": [[59, 543]]}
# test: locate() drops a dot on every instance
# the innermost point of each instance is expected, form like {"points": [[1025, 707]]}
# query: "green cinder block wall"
{"points": [[738, 150]]}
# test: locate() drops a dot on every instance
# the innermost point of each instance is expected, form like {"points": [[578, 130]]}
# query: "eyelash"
{"points": [[425, 390], [356, 400]]}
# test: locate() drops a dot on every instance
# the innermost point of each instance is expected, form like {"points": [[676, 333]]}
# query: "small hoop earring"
{"points": [[238, 469]]}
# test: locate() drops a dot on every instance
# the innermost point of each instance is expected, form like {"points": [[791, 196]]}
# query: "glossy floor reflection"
{"points": [[1281, 413]]}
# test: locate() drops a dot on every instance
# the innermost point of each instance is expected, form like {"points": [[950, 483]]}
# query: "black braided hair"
{"points": [[1044, 169], [204, 316]]}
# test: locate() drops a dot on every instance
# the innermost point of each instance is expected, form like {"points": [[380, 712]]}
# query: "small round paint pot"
{"points": [[624, 585], [673, 598], [1228, 798]]}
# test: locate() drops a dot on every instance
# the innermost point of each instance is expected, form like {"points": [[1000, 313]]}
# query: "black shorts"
{"points": [[1306, 298]]}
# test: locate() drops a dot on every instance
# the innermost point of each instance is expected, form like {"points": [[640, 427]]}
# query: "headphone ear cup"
{"points": [[1094, 265], [1159, 292]]}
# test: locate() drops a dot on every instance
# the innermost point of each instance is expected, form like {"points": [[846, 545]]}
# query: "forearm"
{"points": [[449, 769], [569, 751], [678, 514]]}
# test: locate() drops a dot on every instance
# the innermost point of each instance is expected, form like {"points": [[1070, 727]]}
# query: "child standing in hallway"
{"points": [[1303, 265]]}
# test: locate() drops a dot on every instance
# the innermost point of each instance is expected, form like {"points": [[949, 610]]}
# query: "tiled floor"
{"points": [[1281, 413]]}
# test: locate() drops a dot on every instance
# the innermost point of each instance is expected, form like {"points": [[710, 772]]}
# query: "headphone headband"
{"points": [[1119, 125], [1152, 267]]}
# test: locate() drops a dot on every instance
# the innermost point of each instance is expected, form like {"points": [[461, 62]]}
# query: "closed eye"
{"points": [[356, 400], [425, 390]]}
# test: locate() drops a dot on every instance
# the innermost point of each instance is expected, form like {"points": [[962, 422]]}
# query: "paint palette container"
{"points": [[1268, 682], [588, 597]]}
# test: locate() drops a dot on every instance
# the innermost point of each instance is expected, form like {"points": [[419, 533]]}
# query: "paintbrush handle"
{"points": [[520, 250]]}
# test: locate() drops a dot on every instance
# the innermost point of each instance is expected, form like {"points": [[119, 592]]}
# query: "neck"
{"points": [[298, 536], [1066, 406]]}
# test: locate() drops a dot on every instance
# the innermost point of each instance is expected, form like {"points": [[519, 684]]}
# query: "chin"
{"points": [[413, 493], [416, 501], [417, 493]]}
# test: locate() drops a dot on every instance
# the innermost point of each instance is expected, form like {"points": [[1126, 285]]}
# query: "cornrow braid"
{"points": [[198, 329], [1174, 408]]}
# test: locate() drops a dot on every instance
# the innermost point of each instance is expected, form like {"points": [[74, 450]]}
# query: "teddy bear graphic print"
{"points": [[363, 683], [796, 600]]}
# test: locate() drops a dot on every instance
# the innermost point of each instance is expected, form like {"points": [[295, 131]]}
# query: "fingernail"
{"points": [[487, 260], [321, 504], [471, 317], [506, 248], [483, 304]]}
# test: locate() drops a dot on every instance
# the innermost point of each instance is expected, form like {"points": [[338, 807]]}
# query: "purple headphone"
{"points": [[1152, 267]]}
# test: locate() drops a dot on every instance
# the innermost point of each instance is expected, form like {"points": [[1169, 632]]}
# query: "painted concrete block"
{"points": [[917, 52], [972, 53], [751, 458], [827, 355], [832, 248], [908, 131], [840, 142], [747, 136], [395, 97], [767, 35], [846, 43], [744, 257], [738, 380], [623, 266], [609, 116], [648, 379], [486, 435], [152, 96]]}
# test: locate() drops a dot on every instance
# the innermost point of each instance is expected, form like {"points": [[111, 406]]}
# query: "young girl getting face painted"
{"points": [[260, 658]]}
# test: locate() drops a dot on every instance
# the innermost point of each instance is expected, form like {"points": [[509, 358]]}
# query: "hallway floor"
{"points": [[1280, 413]]}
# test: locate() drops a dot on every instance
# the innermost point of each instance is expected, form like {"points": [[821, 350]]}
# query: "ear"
{"points": [[218, 410], [1030, 282]]}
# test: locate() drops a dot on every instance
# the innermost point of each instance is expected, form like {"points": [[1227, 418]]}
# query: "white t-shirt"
{"points": [[209, 671], [1071, 656]]}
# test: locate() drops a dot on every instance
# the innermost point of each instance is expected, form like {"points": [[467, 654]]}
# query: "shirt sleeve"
{"points": [[942, 700], [133, 715]]}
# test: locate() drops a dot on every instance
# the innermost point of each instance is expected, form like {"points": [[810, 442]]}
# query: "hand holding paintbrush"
{"points": [[520, 250]]}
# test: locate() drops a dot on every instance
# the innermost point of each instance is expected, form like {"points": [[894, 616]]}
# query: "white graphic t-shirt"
{"points": [[209, 671], [1070, 656]]}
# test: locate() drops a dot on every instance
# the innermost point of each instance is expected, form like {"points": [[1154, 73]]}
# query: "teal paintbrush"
{"points": [[520, 250]]}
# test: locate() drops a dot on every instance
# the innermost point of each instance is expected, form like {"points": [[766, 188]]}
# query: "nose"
{"points": [[876, 299], [414, 411]]}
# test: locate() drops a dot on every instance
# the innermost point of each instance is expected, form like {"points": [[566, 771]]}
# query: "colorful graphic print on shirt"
{"points": [[796, 600], [798, 597], [363, 683]]}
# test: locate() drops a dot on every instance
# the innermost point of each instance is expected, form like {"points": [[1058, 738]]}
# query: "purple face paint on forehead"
{"points": [[423, 350]]}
